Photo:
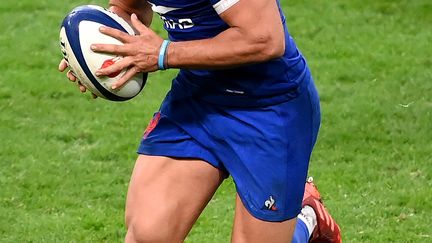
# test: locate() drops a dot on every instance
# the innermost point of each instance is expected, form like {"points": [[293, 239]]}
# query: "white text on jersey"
{"points": [[180, 24]]}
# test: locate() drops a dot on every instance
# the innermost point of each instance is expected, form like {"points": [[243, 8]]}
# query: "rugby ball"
{"points": [[80, 29]]}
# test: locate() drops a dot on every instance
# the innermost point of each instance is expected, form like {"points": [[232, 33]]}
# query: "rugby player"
{"points": [[244, 104]]}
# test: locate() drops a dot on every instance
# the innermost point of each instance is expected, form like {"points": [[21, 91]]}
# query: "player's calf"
{"points": [[322, 227]]}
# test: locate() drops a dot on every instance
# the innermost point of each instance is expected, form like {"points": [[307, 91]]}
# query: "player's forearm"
{"points": [[124, 8], [230, 48]]}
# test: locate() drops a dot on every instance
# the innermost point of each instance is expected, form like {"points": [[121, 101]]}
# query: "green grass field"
{"points": [[66, 159]]}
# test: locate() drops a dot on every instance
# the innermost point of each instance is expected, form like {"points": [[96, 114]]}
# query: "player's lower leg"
{"points": [[314, 223]]}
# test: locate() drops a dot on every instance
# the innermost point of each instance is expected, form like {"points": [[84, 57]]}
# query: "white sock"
{"points": [[308, 216]]}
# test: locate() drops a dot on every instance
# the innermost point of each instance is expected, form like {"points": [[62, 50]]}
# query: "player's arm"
{"points": [[256, 34], [124, 8]]}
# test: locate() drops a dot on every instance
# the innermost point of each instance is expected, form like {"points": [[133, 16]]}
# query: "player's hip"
{"points": [[300, 115]]}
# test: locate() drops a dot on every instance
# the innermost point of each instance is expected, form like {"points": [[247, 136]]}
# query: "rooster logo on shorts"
{"points": [[270, 204], [152, 124]]}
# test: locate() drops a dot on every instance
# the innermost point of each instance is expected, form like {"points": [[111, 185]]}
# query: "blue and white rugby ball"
{"points": [[80, 29]]}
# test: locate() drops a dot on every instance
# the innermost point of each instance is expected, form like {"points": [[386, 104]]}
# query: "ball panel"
{"points": [[74, 35], [74, 65], [89, 34], [80, 29]]}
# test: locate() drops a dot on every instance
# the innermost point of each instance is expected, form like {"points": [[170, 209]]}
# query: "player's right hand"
{"points": [[63, 65]]}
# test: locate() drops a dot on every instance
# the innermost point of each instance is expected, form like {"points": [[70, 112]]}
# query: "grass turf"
{"points": [[66, 159]]}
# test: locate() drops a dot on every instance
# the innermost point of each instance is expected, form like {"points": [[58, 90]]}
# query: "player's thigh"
{"points": [[248, 229], [166, 196]]}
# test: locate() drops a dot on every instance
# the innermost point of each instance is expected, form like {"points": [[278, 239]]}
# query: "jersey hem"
{"points": [[167, 151]]}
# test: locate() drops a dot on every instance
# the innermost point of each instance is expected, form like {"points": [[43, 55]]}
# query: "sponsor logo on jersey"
{"points": [[161, 9], [184, 23], [179, 24], [234, 91]]}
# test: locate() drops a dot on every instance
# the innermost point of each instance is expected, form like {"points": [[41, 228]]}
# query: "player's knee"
{"points": [[146, 231], [152, 226]]}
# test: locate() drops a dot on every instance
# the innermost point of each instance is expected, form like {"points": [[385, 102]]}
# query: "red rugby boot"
{"points": [[326, 230]]}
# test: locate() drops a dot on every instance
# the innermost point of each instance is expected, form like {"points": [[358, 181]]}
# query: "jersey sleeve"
{"points": [[221, 5]]}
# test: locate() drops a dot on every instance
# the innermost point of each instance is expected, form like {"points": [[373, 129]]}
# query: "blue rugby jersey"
{"points": [[265, 83]]}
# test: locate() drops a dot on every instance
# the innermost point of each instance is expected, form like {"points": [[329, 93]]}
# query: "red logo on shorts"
{"points": [[110, 62], [152, 124]]}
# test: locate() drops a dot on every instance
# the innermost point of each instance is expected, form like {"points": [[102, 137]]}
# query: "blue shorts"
{"points": [[266, 150]]}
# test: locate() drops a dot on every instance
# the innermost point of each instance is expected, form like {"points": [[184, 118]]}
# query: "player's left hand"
{"points": [[140, 52]]}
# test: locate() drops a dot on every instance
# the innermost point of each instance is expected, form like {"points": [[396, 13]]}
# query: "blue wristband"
{"points": [[162, 54]]}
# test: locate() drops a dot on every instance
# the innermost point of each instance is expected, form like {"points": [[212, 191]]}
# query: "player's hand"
{"points": [[63, 65], [140, 52]]}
